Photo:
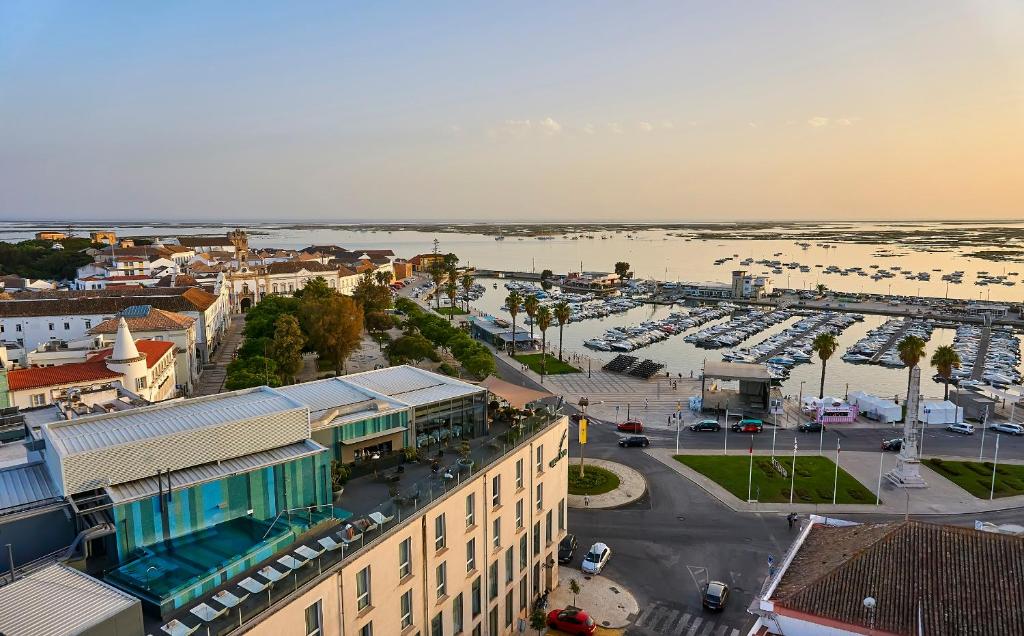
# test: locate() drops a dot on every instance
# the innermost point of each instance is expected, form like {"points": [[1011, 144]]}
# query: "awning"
{"points": [[517, 396], [736, 371]]}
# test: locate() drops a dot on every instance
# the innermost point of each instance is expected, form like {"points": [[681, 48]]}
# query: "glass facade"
{"points": [[338, 437], [459, 417]]}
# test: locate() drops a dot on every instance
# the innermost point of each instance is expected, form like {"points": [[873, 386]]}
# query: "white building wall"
{"points": [[32, 331]]}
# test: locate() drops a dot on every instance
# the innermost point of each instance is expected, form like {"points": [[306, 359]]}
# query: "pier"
{"points": [[785, 345], [979, 361], [896, 337]]}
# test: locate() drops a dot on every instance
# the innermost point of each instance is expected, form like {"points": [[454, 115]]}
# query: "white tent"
{"points": [[939, 412], [876, 408]]}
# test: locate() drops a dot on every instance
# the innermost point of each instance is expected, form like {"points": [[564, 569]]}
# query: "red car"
{"points": [[571, 621], [631, 426]]}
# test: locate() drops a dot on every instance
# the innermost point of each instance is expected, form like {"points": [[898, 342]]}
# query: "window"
{"points": [[496, 534], [519, 515], [561, 515], [540, 496], [509, 565], [88, 324], [548, 526], [405, 558], [508, 609], [492, 581], [519, 473], [314, 620], [140, 383], [523, 557], [436, 627], [470, 509], [471, 555], [407, 609], [442, 580], [536, 579], [496, 491], [522, 593], [457, 615], [38, 399], [475, 598], [67, 326], [366, 630], [17, 327], [439, 541], [492, 619], [51, 326], [363, 588], [536, 539], [478, 629], [540, 458]]}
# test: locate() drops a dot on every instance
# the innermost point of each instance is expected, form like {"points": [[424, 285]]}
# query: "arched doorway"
{"points": [[245, 304]]}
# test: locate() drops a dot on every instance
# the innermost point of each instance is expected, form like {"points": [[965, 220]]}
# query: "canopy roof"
{"points": [[517, 396], [736, 371]]}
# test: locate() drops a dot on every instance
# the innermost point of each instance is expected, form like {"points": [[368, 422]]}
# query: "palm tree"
{"points": [[437, 276], [945, 359], [562, 314], [451, 289], [821, 289], [383, 277], [825, 345], [512, 302], [467, 286], [543, 322], [530, 305], [911, 350]]}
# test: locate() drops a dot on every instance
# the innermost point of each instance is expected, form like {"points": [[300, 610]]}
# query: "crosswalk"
{"points": [[665, 620]]}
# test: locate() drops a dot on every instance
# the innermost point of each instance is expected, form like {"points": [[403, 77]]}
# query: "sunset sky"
{"points": [[514, 111]]}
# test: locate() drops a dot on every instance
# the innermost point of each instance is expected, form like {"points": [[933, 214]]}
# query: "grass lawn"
{"points": [[595, 481], [554, 366], [451, 311], [976, 477], [813, 483]]}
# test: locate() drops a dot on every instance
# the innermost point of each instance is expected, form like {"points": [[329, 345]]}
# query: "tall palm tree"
{"points": [[512, 301], [451, 289], [945, 359], [543, 322], [821, 289], [825, 345], [467, 286], [530, 305], [562, 314], [383, 277], [911, 350], [437, 276]]}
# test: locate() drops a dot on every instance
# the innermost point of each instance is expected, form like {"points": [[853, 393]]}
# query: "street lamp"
{"points": [[583, 404]]}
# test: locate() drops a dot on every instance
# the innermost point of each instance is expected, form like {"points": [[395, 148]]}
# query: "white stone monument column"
{"points": [[907, 473]]}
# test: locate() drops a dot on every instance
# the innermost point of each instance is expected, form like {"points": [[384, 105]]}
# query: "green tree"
{"points": [[530, 306], [945, 359], [563, 313], [467, 286], [38, 259], [261, 319], [314, 287], [334, 326], [411, 349], [371, 295], [451, 290], [243, 373], [543, 322], [384, 277], [821, 288], [622, 269], [546, 274], [512, 301], [437, 274], [451, 261], [824, 344], [286, 348], [480, 364], [574, 589], [538, 621], [911, 350]]}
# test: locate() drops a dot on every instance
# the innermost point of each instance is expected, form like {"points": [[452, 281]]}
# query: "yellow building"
{"points": [[51, 235], [108, 238]]}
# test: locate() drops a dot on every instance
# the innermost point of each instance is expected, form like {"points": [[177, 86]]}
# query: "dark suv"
{"points": [[811, 427], [706, 425], [634, 440]]}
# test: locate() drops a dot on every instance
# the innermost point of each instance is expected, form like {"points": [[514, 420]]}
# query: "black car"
{"points": [[811, 427], [566, 548], [634, 440], [892, 444], [714, 595], [706, 425]]}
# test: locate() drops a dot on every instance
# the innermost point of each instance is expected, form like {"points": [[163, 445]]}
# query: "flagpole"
{"points": [[835, 482], [792, 474], [725, 451], [995, 462], [750, 472], [878, 490]]}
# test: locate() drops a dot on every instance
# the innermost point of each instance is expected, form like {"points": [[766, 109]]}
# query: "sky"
{"points": [[567, 111]]}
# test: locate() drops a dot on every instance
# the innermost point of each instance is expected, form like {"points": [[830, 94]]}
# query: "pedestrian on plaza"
{"points": [[645, 403], [586, 501], [791, 518]]}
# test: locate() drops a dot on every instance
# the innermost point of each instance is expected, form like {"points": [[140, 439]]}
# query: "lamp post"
{"points": [[583, 404]]}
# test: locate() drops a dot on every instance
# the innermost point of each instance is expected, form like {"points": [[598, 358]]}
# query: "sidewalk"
{"points": [[609, 603], [941, 497], [632, 486]]}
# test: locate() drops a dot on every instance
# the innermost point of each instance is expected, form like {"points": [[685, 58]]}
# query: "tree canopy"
{"points": [[286, 347]]}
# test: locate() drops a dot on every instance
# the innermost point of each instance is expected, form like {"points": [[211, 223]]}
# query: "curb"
{"points": [[576, 501]]}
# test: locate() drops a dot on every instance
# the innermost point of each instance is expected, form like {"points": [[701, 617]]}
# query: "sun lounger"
{"points": [[380, 519], [307, 552], [291, 562], [177, 628], [251, 585], [271, 574], [229, 600], [329, 544], [206, 612]]}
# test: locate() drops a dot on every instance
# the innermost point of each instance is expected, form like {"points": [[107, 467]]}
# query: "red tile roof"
{"points": [[153, 349], [156, 320], [37, 377]]}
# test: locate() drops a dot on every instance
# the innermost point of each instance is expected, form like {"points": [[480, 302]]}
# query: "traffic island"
{"points": [[605, 484], [979, 478], [609, 603]]}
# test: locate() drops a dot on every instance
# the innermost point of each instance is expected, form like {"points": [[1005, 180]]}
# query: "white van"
{"points": [[962, 428]]}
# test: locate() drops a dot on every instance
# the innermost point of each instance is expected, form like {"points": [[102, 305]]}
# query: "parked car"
{"points": [[631, 426], [596, 559], [715, 595], [571, 621], [811, 427], [748, 426], [634, 440], [566, 548], [706, 425], [963, 429], [894, 444], [1006, 427]]}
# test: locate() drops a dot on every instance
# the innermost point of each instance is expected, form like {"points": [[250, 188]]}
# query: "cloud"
{"points": [[549, 126], [646, 126], [668, 125], [847, 121], [818, 122], [823, 122], [588, 129], [615, 128], [751, 124]]}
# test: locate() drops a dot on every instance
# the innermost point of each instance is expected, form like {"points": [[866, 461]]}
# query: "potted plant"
{"points": [[339, 476], [412, 455], [465, 461]]}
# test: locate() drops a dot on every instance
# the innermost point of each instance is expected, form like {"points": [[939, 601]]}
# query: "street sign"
{"points": [[583, 430]]}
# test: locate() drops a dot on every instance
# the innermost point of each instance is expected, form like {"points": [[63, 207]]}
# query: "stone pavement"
{"points": [[212, 379], [610, 604], [941, 497], [632, 486]]}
